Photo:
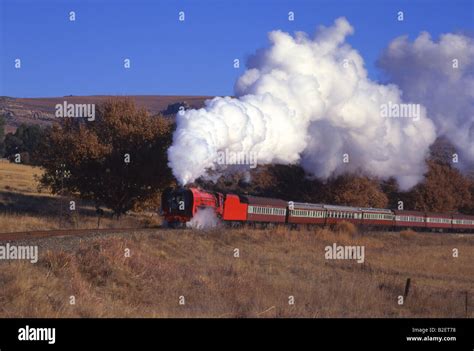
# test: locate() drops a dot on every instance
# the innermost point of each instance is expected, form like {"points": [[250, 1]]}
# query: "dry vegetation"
{"points": [[273, 264], [200, 265], [24, 207]]}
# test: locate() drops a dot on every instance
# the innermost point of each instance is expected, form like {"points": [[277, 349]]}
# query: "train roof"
{"points": [[376, 210], [308, 206], [407, 213], [341, 208], [263, 201], [438, 214], [461, 216]]}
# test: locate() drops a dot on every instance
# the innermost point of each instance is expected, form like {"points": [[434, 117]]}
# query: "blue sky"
{"points": [[194, 57]]}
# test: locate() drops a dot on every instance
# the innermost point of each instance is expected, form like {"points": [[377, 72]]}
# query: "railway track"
{"points": [[39, 234]]}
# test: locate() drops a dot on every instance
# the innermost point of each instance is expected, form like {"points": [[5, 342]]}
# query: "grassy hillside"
{"points": [[200, 266], [24, 207], [273, 265]]}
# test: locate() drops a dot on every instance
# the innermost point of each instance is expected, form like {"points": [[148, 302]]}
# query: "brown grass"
{"points": [[23, 207], [18, 178], [200, 265], [407, 234], [273, 265]]}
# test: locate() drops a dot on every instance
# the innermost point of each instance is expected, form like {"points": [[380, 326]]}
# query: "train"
{"points": [[180, 205]]}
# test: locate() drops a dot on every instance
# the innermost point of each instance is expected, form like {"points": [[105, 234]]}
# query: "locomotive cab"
{"points": [[177, 204], [180, 205]]}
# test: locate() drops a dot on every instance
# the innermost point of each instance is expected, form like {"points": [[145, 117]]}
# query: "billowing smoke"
{"points": [[439, 75], [204, 218], [309, 102]]}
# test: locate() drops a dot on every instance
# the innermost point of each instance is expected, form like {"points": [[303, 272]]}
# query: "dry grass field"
{"points": [[24, 207], [200, 270], [200, 266]]}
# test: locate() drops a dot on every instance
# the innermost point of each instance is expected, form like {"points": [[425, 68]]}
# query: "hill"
{"points": [[41, 110]]}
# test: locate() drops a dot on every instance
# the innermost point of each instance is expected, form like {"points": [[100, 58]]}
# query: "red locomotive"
{"points": [[181, 205]]}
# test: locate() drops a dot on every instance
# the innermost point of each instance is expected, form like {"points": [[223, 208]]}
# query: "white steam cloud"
{"points": [[439, 75], [306, 101], [205, 218]]}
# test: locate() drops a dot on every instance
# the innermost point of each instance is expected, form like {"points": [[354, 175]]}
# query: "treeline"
{"points": [[119, 161], [443, 189], [20, 145]]}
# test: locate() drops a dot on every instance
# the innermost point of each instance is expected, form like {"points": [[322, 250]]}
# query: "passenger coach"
{"points": [[181, 205]]}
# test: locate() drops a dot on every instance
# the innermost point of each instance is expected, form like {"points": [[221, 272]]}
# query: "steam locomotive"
{"points": [[181, 205]]}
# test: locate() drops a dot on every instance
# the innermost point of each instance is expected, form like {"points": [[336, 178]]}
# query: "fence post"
{"points": [[407, 289], [466, 302]]}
